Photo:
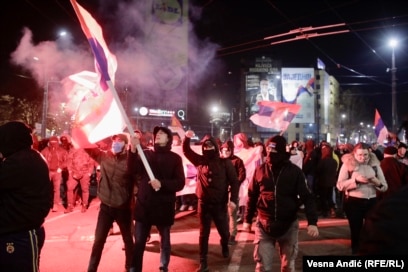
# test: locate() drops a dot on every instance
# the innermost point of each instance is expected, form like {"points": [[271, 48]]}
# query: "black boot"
{"points": [[203, 266]]}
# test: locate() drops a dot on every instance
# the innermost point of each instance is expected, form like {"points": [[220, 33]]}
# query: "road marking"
{"points": [[236, 257]]}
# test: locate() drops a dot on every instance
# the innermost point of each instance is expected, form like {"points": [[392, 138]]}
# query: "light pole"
{"points": [[44, 112], [393, 44]]}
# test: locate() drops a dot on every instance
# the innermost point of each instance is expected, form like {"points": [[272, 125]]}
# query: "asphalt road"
{"points": [[69, 239]]}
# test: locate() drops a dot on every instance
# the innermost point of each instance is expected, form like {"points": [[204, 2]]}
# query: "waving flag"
{"points": [[97, 115], [380, 130], [275, 115], [176, 127]]}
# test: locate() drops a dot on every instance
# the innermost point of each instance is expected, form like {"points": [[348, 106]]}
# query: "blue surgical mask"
{"points": [[117, 147]]}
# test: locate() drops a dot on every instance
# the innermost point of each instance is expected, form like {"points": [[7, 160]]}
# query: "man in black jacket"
{"points": [[274, 193], [215, 176], [227, 152], [155, 198], [25, 199]]}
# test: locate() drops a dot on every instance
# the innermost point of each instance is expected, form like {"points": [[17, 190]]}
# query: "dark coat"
{"points": [[214, 176], [25, 187], [116, 185], [396, 175], [385, 228], [275, 197], [326, 172], [157, 207]]}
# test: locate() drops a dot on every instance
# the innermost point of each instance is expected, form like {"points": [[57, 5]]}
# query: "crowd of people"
{"points": [[139, 177]]}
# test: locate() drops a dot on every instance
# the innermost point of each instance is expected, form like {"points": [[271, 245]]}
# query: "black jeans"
{"points": [[107, 215], [207, 213], [356, 210]]}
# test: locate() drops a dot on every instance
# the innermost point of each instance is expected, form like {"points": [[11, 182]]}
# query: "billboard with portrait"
{"points": [[298, 88]]}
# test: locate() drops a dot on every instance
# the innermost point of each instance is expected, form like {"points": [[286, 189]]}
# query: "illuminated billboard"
{"points": [[298, 88]]}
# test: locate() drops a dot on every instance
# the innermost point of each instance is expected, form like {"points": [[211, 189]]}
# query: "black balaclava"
{"points": [[212, 153], [279, 157]]}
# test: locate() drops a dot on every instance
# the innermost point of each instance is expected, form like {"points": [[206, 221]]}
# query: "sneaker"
{"points": [[232, 240], [69, 209], [183, 208], [190, 208], [54, 208], [83, 209]]}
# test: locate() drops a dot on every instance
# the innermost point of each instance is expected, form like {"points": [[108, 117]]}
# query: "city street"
{"points": [[69, 240]]}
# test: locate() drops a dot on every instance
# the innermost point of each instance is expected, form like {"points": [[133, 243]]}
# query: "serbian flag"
{"points": [[97, 115], [380, 129], [275, 115], [177, 127]]}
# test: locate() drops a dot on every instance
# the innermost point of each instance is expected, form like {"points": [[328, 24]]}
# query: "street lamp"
{"points": [[393, 43], [214, 110]]}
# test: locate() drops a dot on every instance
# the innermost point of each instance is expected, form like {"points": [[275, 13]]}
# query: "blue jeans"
{"points": [[142, 231], [20, 251], [265, 247], [107, 215]]}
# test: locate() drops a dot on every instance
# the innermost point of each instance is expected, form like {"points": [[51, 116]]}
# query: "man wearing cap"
{"points": [[215, 177], [25, 199], [115, 193], [395, 172], [402, 153], [273, 193], [56, 158], [156, 197]]}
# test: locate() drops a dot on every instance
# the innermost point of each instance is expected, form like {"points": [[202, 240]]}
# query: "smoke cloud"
{"points": [[139, 53]]}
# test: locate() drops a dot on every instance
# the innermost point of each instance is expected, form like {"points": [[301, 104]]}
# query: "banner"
{"points": [[275, 115]]}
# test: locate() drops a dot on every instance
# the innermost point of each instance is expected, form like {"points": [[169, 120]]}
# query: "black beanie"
{"points": [[278, 143]]}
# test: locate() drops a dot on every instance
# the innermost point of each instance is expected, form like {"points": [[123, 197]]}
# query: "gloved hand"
{"points": [[246, 227]]}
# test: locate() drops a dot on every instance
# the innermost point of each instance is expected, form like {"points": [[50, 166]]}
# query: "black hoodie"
{"points": [[25, 188], [214, 176]]}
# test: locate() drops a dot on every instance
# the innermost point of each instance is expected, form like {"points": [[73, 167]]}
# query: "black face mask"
{"points": [[277, 158], [209, 154]]}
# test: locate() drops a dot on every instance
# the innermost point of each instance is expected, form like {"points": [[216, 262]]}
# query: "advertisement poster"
{"points": [[298, 88]]}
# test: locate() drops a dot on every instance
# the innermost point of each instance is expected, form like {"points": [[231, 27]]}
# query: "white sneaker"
{"points": [[183, 208], [190, 208]]}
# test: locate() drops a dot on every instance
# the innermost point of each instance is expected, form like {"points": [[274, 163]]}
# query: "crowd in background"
{"points": [[358, 182]]}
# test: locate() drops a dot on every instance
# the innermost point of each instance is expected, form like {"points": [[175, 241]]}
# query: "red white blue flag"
{"points": [[381, 130], [275, 115], [97, 115]]}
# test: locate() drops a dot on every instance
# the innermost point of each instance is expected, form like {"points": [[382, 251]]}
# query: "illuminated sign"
{"points": [[161, 113]]}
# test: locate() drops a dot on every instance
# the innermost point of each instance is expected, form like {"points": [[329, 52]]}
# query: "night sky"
{"points": [[358, 58]]}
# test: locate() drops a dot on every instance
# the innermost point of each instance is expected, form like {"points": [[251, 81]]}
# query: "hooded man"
{"points": [[155, 198], [215, 178], [273, 193], [227, 152], [25, 199], [56, 158]]}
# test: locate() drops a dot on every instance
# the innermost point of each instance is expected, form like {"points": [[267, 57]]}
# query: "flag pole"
{"points": [[130, 128]]}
